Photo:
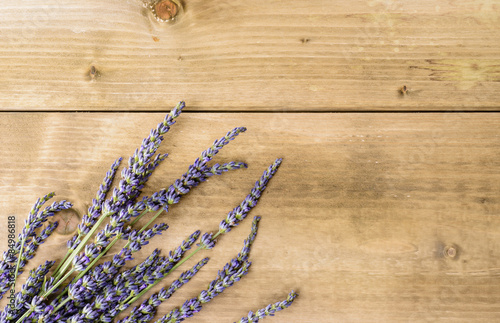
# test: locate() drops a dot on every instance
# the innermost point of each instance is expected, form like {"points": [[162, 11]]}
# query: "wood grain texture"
{"points": [[357, 219], [317, 55]]}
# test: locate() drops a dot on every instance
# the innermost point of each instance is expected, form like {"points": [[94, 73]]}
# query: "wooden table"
{"points": [[386, 207]]}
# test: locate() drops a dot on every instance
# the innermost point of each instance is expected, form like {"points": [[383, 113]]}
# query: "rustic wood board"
{"points": [[230, 55], [357, 219]]}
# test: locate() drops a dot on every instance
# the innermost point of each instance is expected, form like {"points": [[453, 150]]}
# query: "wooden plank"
{"points": [[317, 55], [371, 218]]}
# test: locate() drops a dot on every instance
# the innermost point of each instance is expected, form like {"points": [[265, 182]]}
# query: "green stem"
{"points": [[18, 263], [56, 272], [140, 216], [150, 221], [81, 245], [61, 305]]}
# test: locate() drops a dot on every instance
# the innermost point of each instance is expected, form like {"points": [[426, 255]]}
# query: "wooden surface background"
{"points": [[378, 214]]}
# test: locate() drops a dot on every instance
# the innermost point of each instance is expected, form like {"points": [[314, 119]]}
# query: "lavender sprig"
{"points": [[94, 211], [240, 212], [269, 310], [32, 247]]}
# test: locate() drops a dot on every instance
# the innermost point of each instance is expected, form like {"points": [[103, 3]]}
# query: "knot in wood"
{"points": [[166, 9]]}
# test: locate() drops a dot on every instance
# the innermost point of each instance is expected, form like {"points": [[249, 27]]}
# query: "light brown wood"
{"points": [[360, 219], [317, 55]]}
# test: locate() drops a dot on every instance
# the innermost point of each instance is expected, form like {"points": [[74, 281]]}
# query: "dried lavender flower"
{"points": [[240, 212], [269, 310], [94, 211]]}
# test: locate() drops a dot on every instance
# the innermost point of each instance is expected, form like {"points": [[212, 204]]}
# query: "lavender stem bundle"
{"points": [[81, 288]]}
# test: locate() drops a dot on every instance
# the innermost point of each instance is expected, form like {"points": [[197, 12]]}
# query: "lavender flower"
{"points": [[269, 310], [240, 212], [94, 211], [31, 248]]}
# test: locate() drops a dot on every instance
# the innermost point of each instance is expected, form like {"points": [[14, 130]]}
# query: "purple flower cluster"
{"points": [[28, 241], [240, 212], [269, 310], [101, 291], [94, 211]]}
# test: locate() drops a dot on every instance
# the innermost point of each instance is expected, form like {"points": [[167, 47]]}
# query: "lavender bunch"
{"points": [[100, 292], [197, 173]]}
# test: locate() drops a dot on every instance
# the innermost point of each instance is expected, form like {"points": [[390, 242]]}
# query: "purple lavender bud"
{"points": [[219, 169], [80, 262], [269, 310], [206, 241], [94, 211], [240, 212]]}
